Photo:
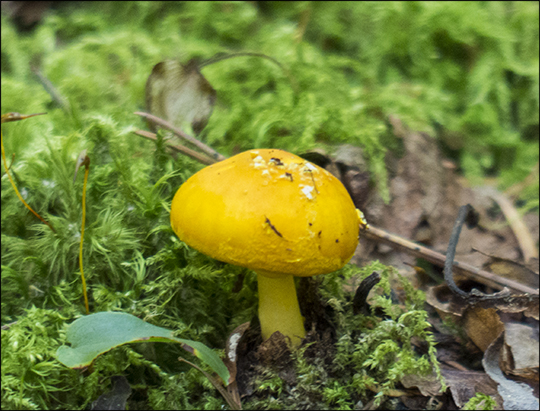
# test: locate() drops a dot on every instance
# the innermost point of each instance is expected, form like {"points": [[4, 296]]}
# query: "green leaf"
{"points": [[93, 335]]}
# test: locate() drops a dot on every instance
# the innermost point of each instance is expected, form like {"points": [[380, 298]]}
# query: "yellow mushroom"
{"points": [[276, 214]]}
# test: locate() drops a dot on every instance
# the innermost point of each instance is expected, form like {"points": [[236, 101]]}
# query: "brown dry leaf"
{"points": [[519, 353], [515, 395], [354, 173], [428, 385], [482, 326], [443, 300], [513, 270], [426, 194], [180, 94], [230, 361], [464, 385], [526, 304], [230, 349], [246, 359]]}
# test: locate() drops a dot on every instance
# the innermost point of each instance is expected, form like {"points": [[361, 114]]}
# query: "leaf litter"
{"points": [[425, 194]]}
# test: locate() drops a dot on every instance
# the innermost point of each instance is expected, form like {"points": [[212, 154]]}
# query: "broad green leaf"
{"points": [[93, 335]]}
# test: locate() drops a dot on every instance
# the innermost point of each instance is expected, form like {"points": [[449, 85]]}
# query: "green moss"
{"points": [[480, 402], [370, 357], [31, 377], [468, 73]]}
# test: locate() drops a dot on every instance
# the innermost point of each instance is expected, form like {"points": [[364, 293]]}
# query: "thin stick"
{"points": [[165, 124], [16, 117], [201, 158], [482, 276]]}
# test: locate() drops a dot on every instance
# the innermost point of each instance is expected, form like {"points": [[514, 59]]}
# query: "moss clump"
{"points": [[480, 402], [369, 356]]}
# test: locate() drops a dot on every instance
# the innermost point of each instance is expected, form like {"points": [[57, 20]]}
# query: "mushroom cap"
{"points": [[270, 211]]}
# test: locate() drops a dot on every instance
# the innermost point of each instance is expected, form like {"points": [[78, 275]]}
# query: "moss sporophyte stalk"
{"points": [[83, 159], [17, 117], [275, 213]]}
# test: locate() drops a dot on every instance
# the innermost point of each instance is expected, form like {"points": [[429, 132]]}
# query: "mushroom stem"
{"points": [[279, 309]]}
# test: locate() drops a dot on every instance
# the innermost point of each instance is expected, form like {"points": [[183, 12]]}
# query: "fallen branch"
{"points": [[481, 276]]}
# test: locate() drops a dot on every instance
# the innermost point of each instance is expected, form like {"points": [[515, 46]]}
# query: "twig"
{"points": [[8, 326], [201, 158], [197, 143], [482, 276]]}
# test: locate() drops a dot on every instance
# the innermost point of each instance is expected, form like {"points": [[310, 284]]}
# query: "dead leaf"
{"points": [[464, 385], [230, 349], [424, 403], [116, 398], [519, 353], [180, 94], [482, 326], [515, 395], [447, 305], [428, 385], [231, 357], [513, 270]]}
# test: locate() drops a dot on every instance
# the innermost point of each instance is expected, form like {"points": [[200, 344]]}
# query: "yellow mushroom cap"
{"points": [[270, 211]]}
